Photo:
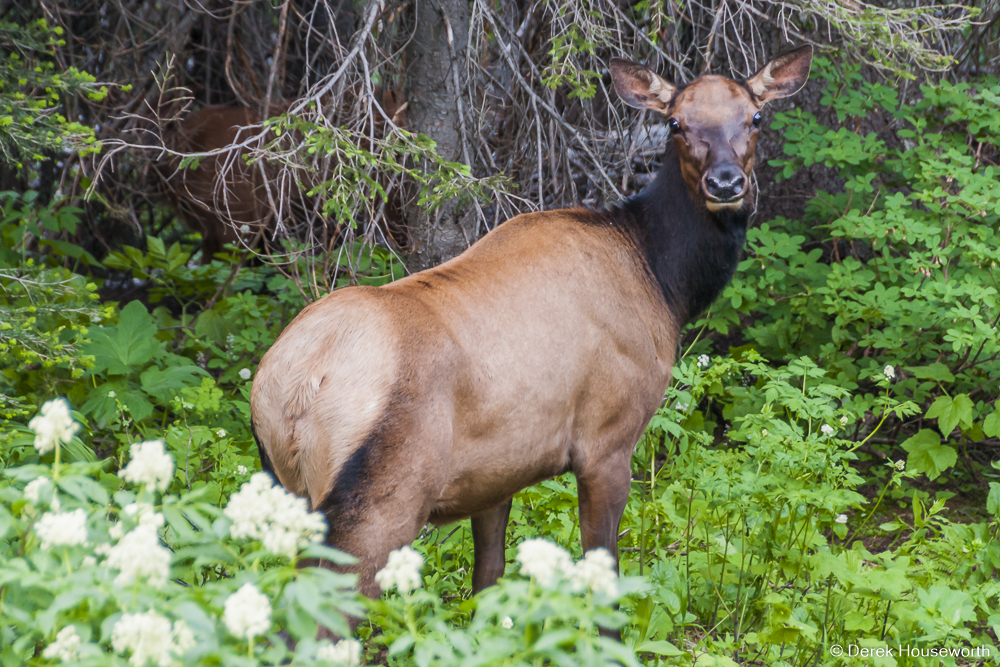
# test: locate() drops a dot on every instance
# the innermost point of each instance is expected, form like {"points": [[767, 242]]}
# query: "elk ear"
{"points": [[639, 86], [783, 76]]}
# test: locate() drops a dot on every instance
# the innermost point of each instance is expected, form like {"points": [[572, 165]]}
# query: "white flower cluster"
{"points": [[345, 653], [900, 465], [507, 623], [62, 529], [281, 521], [139, 555], [402, 571], [543, 561], [245, 373], [704, 361], [247, 612], [33, 490], [890, 372], [841, 518], [827, 430], [52, 425], [66, 647], [597, 572], [548, 564], [151, 638], [150, 464]]}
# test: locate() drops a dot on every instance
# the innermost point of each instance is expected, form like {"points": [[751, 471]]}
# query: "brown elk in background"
{"points": [[545, 348], [224, 193]]}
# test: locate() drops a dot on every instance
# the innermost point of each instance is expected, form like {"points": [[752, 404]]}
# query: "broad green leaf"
{"points": [[991, 425], [936, 371], [129, 346], [993, 500], [928, 455], [707, 660], [658, 647], [164, 383], [950, 412]]}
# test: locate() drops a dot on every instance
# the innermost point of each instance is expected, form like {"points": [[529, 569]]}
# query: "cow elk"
{"points": [[544, 348], [223, 193]]}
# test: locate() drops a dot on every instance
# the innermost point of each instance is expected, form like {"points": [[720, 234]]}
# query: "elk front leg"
{"points": [[489, 532]]}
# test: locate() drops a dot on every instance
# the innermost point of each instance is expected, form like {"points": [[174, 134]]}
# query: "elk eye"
{"points": [[674, 125], [756, 119]]}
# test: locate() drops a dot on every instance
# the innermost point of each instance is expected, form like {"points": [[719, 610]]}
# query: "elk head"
{"points": [[714, 120]]}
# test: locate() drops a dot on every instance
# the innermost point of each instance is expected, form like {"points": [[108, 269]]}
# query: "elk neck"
{"points": [[691, 251]]}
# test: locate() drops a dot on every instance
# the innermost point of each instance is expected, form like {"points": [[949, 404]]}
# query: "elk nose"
{"points": [[725, 184]]}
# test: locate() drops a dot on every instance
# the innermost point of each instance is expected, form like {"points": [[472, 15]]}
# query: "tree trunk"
{"points": [[436, 236]]}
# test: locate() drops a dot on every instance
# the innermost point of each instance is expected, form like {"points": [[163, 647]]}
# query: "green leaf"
{"points": [[658, 647], [936, 371], [991, 425], [706, 660], [122, 349], [163, 384], [950, 412], [927, 455], [993, 501]]}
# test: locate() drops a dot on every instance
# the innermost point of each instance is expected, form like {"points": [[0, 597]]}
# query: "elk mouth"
{"points": [[715, 204]]}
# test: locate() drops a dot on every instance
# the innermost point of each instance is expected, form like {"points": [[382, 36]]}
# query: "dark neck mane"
{"points": [[691, 251]]}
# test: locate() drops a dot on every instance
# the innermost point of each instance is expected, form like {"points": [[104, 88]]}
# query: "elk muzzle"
{"points": [[724, 187]]}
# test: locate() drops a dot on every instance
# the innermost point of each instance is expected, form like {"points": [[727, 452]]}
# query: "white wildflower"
{"points": [[596, 571], [241, 470], [245, 373], [221, 433], [116, 532], [111, 394], [88, 561], [900, 465], [704, 361], [826, 429], [244, 229], [139, 556], [507, 623], [247, 612], [65, 647], [345, 653], [52, 425], [62, 529], [150, 638], [230, 340], [890, 372], [843, 420], [150, 464], [34, 488], [681, 407], [402, 571], [281, 521], [183, 637], [763, 432], [143, 513], [543, 561], [841, 518]]}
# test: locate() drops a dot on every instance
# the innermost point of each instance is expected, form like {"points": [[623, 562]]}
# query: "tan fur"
{"points": [[508, 426], [500, 376], [323, 388]]}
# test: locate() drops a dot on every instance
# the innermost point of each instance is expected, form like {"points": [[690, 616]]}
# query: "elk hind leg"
{"points": [[603, 493]]}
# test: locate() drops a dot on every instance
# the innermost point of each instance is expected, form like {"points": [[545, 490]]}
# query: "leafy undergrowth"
{"points": [[827, 486]]}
